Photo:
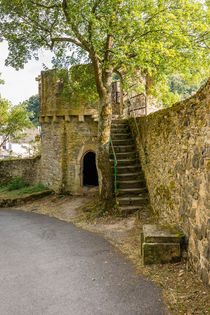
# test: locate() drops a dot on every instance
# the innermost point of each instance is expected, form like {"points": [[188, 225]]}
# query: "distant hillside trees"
{"points": [[13, 121], [32, 107], [177, 84]]}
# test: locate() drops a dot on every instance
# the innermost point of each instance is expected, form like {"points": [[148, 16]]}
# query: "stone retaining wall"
{"points": [[173, 149], [28, 169]]}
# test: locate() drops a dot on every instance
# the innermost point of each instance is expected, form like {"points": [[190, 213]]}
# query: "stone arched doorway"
{"points": [[90, 174]]}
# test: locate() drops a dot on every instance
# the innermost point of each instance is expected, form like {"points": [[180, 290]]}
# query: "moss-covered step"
{"points": [[160, 244]]}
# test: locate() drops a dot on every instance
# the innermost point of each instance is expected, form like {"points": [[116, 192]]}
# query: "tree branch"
{"points": [[74, 28], [67, 39], [96, 4], [41, 27], [45, 6], [154, 15], [153, 31], [98, 74]]}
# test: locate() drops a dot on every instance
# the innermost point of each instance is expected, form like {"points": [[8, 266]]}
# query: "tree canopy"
{"points": [[156, 35]]}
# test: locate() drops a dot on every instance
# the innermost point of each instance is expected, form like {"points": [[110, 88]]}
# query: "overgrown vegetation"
{"points": [[18, 187], [16, 183]]}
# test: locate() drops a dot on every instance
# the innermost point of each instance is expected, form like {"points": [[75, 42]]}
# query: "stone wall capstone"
{"points": [[27, 168], [174, 152]]}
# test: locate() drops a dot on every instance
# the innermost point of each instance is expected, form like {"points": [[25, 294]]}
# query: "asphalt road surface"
{"points": [[50, 267]]}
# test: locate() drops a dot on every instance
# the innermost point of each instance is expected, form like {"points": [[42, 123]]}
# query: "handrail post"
{"points": [[115, 166]]}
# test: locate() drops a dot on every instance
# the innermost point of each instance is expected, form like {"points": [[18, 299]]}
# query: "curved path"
{"points": [[50, 267]]}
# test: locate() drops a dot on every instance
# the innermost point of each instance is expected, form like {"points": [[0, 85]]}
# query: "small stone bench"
{"points": [[160, 244]]}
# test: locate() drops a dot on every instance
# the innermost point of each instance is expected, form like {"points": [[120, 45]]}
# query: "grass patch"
{"points": [[16, 183], [3, 188], [18, 187], [31, 189]]}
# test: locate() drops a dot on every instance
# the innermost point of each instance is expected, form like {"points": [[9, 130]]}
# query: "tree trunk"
{"points": [[104, 87], [103, 163]]}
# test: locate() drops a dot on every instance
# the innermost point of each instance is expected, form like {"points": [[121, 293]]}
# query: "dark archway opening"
{"points": [[90, 174]]}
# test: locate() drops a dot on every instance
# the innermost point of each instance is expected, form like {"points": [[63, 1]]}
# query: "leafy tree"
{"points": [[32, 106], [13, 120], [156, 36], [81, 88], [179, 85]]}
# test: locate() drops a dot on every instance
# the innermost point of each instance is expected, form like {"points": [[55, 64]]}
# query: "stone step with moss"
{"points": [[131, 183], [122, 142], [128, 201], [160, 244]]}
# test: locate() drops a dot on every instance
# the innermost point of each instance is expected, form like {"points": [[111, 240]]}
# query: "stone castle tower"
{"points": [[69, 135]]}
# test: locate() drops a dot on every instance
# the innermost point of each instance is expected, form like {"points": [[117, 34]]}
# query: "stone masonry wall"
{"points": [[63, 145], [51, 155], [28, 169], [173, 149]]}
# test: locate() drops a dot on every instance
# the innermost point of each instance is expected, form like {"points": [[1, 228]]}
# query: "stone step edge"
{"points": [[124, 146], [123, 159], [130, 207], [130, 166], [131, 198], [130, 181], [124, 154], [132, 189], [154, 233]]}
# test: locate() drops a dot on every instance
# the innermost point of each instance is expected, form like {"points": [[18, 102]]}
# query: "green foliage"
{"points": [[32, 189], [179, 85], [159, 36], [18, 187], [3, 188], [163, 93], [16, 183], [79, 88], [13, 120], [32, 107]]}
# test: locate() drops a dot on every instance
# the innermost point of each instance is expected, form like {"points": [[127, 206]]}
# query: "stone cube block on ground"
{"points": [[160, 244]]}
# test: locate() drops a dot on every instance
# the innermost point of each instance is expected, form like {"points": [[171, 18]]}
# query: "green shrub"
{"points": [[16, 183], [32, 189]]}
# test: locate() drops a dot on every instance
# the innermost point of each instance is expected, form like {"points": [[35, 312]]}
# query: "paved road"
{"points": [[50, 267]]}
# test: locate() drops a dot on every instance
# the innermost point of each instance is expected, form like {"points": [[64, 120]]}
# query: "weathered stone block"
{"points": [[160, 253], [160, 244], [154, 233]]}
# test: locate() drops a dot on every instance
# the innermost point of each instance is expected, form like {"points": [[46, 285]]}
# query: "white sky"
{"points": [[20, 85]]}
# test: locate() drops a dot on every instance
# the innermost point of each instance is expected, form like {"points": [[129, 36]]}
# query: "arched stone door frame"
{"points": [[82, 166], [90, 147]]}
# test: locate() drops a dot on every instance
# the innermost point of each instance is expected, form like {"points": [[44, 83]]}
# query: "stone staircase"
{"points": [[132, 193]]}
